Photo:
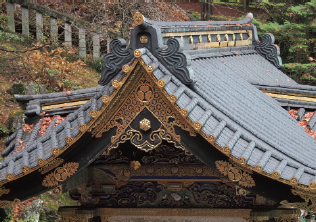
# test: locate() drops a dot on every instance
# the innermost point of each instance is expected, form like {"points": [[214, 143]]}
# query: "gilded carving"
{"points": [[197, 126], [145, 124], [143, 39], [161, 83], [184, 112], [226, 150], [137, 53], [138, 18], [4, 191], [135, 165], [60, 174], [9, 176], [57, 190], [145, 95], [235, 174], [150, 69], [276, 175], [308, 196], [55, 151], [116, 84], [51, 165], [293, 181], [126, 68], [123, 172], [25, 169]]}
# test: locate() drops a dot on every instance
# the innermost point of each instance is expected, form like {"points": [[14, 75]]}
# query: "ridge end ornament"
{"points": [[269, 50], [177, 62], [138, 18], [114, 60]]}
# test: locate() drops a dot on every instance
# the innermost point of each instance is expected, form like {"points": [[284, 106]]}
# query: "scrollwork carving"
{"points": [[113, 61], [269, 50], [309, 197], [176, 61]]}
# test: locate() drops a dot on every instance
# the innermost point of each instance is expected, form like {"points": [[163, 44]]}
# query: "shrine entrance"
{"points": [[164, 184]]}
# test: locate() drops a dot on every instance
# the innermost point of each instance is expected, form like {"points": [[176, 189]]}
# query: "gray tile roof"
{"points": [[41, 146], [246, 62], [242, 117], [239, 115], [34, 102]]}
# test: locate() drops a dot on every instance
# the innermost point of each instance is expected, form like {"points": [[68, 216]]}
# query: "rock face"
{"points": [[16, 120], [32, 212], [17, 89]]}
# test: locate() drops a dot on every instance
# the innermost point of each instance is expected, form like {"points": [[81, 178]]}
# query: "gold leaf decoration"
{"points": [[309, 197], [235, 174], [60, 174]]}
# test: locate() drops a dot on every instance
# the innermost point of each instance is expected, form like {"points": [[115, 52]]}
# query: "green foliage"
{"points": [[294, 29], [5, 131], [5, 36]]}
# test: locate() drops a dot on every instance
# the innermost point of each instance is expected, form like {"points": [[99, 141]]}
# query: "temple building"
{"points": [[190, 123]]}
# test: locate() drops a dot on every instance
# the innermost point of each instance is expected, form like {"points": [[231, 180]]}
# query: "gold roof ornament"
{"points": [[138, 18]]}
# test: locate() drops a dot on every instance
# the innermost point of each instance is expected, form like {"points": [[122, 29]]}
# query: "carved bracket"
{"points": [[113, 61], [269, 50], [176, 62]]}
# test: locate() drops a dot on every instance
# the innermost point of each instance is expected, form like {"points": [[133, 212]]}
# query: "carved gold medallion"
{"points": [[143, 39], [138, 18], [235, 174], [144, 124], [60, 174]]}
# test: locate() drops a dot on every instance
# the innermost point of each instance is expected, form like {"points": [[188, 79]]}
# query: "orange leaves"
{"points": [[28, 128], [293, 113], [47, 120], [50, 68], [305, 120], [45, 123], [19, 208], [59, 119], [20, 147]]}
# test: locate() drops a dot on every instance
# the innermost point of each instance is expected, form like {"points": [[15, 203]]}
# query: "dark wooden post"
{"points": [[209, 10], [202, 10], [245, 6]]}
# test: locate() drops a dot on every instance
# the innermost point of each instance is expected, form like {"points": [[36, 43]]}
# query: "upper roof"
{"points": [[217, 85]]}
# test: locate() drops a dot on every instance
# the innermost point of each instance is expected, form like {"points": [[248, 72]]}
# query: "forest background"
{"points": [[30, 67]]}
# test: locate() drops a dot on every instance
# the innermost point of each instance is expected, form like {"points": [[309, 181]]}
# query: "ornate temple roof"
{"points": [[217, 74]]}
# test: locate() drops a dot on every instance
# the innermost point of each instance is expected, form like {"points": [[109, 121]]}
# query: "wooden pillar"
{"points": [[209, 10], [82, 43], [53, 31], [202, 10], [25, 22], [39, 27], [10, 12], [96, 45], [245, 6], [68, 40]]}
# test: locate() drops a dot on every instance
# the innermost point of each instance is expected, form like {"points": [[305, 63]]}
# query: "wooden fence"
{"points": [[53, 21]]}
